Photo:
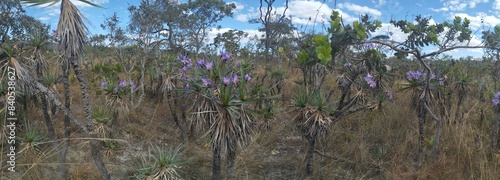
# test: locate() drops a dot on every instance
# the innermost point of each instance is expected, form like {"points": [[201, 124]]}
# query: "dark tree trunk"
{"points": [[310, 155], [231, 156], [63, 168], [216, 165], [45, 109], [94, 143], [421, 129], [172, 109]]}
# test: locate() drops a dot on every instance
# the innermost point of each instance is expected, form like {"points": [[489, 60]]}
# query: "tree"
{"points": [[72, 34], [421, 33], [203, 15], [144, 20], [270, 20], [230, 40], [15, 24]]}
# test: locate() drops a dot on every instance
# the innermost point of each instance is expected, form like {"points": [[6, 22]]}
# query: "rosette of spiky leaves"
{"points": [[313, 117], [161, 163], [103, 117], [232, 127], [31, 141]]}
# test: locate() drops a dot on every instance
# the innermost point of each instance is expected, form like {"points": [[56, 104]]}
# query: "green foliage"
{"points": [[50, 79], [103, 114], [323, 49], [161, 163]]}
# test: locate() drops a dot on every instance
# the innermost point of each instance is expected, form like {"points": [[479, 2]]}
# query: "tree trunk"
{"points": [[94, 143], [310, 155], [231, 156], [63, 168], [172, 109], [45, 109], [216, 164], [435, 147], [421, 129]]}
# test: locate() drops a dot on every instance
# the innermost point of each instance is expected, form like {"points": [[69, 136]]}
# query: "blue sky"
{"points": [[486, 11]]}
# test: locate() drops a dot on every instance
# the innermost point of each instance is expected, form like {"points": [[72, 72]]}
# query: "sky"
{"points": [[484, 14]]}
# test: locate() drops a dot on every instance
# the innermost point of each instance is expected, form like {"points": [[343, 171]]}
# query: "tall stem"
{"points": [[216, 164]]}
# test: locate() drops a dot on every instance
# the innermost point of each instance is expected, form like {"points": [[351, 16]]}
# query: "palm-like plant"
{"points": [[220, 106], [312, 120], [461, 85], [72, 33], [161, 164]]}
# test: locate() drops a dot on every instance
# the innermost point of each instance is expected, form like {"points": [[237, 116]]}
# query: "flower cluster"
{"points": [[369, 79], [122, 88], [225, 75], [496, 99], [414, 75], [417, 75]]}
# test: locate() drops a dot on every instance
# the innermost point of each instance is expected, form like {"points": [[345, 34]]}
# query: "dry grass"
{"points": [[366, 145]]}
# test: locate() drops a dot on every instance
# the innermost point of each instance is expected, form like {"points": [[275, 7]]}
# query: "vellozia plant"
{"points": [[117, 92], [220, 90], [416, 84]]}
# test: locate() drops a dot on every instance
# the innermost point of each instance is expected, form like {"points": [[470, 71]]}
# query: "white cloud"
{"points": [[496, 5], [440, 9], [392, 31], [379, 3], [359, 9], [43, 18], [479, 20], [239, 6], [245, 17], [458, 5]]}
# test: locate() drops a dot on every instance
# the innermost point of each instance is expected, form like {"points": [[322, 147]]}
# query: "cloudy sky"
{"points": [[483, 14]]}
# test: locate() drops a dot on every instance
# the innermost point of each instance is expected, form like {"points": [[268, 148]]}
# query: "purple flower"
{"points": [[103, 85], [414, 75], [184, 69], [370, 81], [247, 77], [496, 98], [185, 60], [201, 62], [225, 56], [226, 80], [206, 82], [441, 81], [187, 86], [132, 85], [235, 79], [496, 101], [115, 89], [209, 66], [347, 64], [389, 94], [123, 83], [237, 63]]}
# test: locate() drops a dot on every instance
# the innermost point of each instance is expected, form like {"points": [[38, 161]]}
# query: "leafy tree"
{"points": [[271, 22], [420, 33], [15, 24], [144, 20], [204, 14], [230, 40]]}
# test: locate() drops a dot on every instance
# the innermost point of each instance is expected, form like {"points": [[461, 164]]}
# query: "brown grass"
{"points": [[366, 145]]}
